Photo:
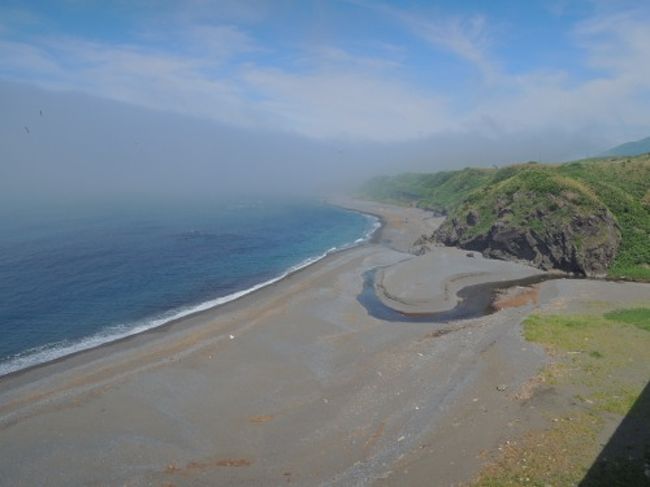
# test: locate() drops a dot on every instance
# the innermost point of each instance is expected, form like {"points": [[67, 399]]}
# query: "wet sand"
{"points": [[402, 225], [294, 384], [431, 282]]}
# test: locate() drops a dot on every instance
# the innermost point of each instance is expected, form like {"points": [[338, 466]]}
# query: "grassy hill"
{"points": [[588, 217], [634, 148], [436, 192]]}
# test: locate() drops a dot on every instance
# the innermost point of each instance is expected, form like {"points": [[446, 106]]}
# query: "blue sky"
{"points": [[352, 70]]}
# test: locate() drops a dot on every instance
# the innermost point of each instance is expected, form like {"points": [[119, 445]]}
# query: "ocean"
{"points": [[72, 278]]}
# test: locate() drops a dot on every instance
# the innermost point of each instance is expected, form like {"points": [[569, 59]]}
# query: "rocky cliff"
{"points": [[583, 245], [548, 221]]}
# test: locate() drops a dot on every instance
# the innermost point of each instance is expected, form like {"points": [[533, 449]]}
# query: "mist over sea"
{"points": [[78, 276]]}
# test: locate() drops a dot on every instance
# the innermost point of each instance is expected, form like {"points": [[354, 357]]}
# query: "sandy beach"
{"points": [[296, 383]]}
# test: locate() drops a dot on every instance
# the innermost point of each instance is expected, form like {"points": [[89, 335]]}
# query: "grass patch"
{"points": [[546, 458], [631, 272], [602, 362], [639, 317]]}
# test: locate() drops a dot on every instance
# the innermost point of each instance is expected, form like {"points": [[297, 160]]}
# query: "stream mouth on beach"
{"points": [[475, 301]]}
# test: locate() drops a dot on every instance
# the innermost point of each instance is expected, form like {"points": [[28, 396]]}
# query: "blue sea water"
{"points": [[73, 279]]}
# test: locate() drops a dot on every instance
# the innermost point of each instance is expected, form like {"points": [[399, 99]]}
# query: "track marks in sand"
{"points": [[261, 419], [445, 331], [436, 334], [172, 468], [374, 438]]}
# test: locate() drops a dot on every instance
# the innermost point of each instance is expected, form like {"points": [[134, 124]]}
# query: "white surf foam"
{"points": [[47, 353]]}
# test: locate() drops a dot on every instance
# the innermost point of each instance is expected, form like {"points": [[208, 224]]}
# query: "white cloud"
{"points": [[220, 42], [25, 59], [129, 74], [347, 105], [340, 94], [467, 37], [219, 71], [619, 44], [215, 43], [613, 101], [330, 57]]}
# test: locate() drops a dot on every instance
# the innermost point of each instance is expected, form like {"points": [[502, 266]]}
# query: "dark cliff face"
{"points": [[550, 232]]}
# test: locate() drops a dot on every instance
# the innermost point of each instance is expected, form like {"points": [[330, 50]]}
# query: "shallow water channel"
{"points": [[475, 301]]}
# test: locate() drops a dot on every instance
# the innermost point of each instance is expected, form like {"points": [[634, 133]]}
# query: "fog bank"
{"points": [[69, 146]]}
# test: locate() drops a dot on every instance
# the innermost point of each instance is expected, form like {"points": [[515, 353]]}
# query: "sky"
{"points": [[381, 86]]}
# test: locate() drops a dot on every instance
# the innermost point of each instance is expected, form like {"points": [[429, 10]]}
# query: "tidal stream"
{"points": [[475, 301]]}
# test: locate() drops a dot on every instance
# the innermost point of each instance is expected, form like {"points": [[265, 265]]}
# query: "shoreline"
{"points": [[139, 338], [180, 314], [402, 226], [376, 234], [351, 398], [156, 341]]}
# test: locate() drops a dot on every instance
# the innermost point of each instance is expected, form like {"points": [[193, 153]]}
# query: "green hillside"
{"points": [[437, 191], [590, 217], [623, 185], [634, 148]]}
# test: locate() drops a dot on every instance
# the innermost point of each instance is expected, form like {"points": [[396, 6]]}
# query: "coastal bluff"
{"points": [[572, 240], [586, 218]]}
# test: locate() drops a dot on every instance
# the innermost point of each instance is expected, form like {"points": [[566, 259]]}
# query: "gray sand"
{"points": [[294, 384], [429, 283], [403, 225]]}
